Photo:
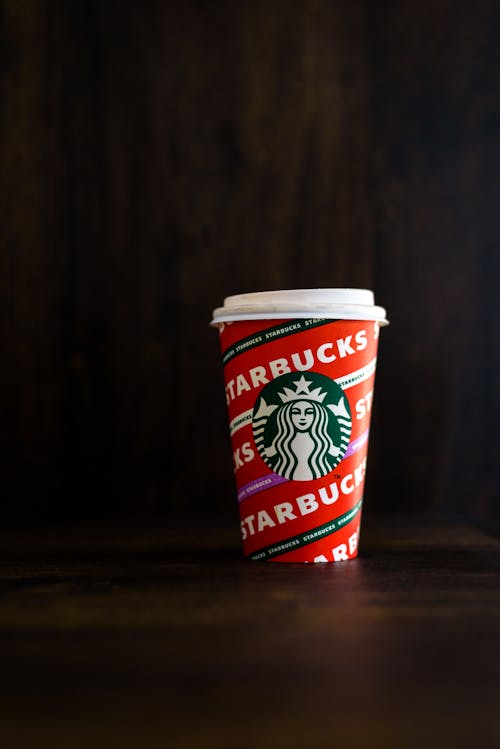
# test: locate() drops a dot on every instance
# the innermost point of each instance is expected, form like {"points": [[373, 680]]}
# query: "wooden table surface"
{"points": [[168, 637]]}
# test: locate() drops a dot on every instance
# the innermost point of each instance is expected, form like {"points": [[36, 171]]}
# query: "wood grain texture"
{"points": [[156, 157], [436, 117], [157, 636]]}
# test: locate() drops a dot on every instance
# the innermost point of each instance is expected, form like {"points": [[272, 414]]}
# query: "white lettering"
{"points": [[345, 485], [323, 356], [364, 405], [359, 473], [340, 553], [238, 463], [248, 452], [344, 346], [284, 512], [360, 339], [242, 455], [249, 520], [309, 360], [230, 396], [307, 503], [264, 520], [299, 361], [329, 499], [353, 542], [258, 376], [241, 384], [279, 367]]}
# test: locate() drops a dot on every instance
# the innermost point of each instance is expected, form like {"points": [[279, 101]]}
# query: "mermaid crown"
{"points": [[302, 392]]}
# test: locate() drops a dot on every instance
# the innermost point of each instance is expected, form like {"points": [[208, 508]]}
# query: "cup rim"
{"points": [[322, 303]]}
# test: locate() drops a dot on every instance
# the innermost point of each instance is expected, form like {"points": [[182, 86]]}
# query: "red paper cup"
{"points": [[299, 369]]}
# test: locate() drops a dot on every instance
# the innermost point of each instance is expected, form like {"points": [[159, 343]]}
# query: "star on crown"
{"points": [[302, 392]]}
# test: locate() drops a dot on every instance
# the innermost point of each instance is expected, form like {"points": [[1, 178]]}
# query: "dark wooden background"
{"points": [[157, 156]]}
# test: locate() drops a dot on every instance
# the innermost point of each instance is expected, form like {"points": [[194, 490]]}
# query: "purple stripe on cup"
{"points": [[357, 444], [260, 485], [266, 482]]}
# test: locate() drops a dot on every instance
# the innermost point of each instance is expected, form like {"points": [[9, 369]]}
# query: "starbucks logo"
{"points": [[302, 425]]}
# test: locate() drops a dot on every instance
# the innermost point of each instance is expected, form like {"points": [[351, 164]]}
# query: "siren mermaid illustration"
{"points": [[302, 448]]}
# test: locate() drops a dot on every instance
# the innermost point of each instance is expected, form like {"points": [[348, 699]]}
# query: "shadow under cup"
{"points": [[299, 390]]}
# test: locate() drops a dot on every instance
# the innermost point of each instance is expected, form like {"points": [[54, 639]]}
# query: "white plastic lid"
{"points": [[335, 304]]}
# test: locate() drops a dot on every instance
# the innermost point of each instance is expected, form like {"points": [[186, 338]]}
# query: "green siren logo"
{"points": [[302, 425]]}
